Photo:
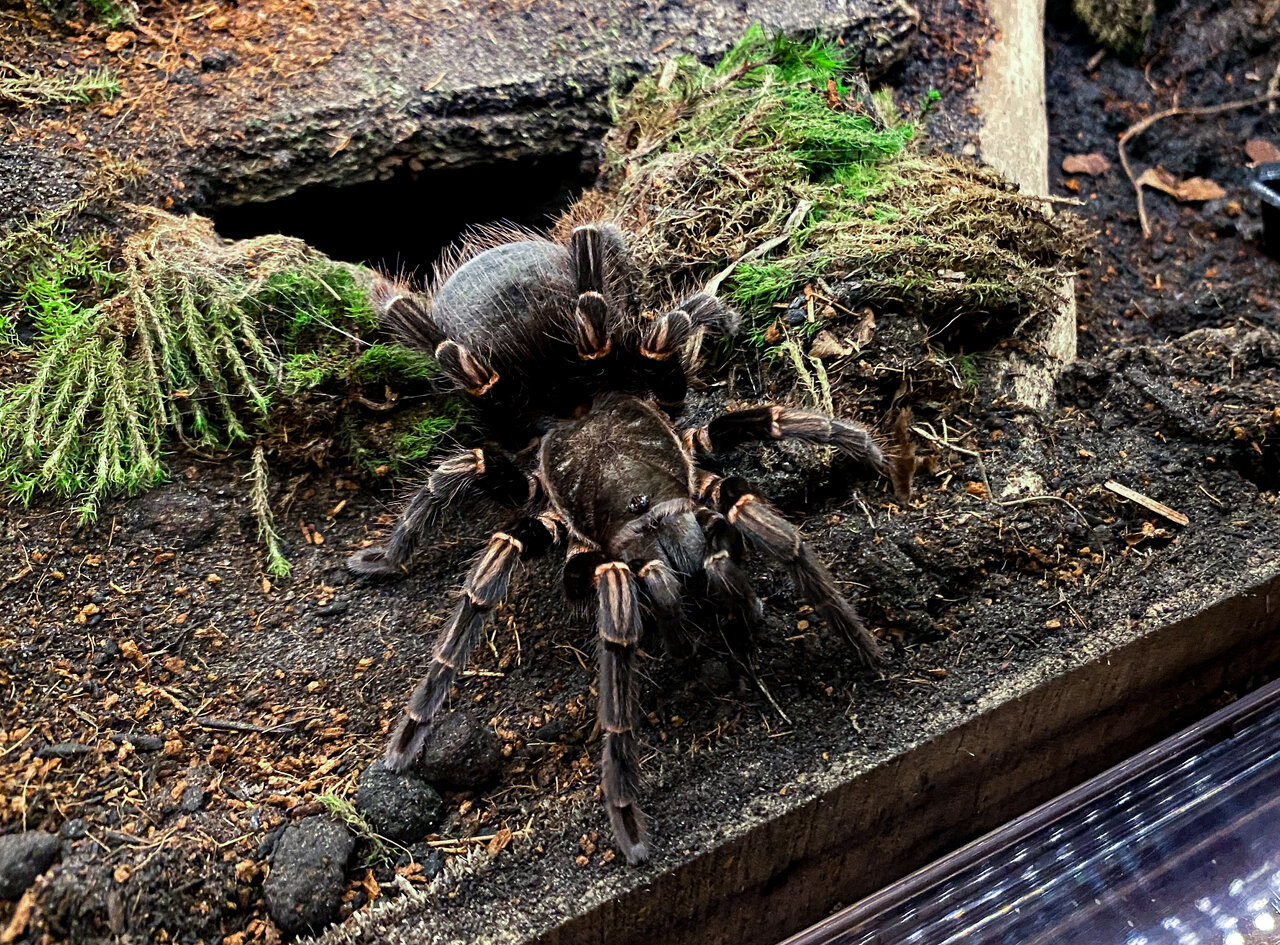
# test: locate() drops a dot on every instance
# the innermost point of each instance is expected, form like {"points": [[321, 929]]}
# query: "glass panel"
{"points": [[1184, 853]]}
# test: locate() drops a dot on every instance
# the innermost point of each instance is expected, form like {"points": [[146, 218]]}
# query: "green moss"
{"points": [[970, 377], [711, 164], [422, 438], [183, 337], [406, 440], [32, 89], [384, 362], [110, 13]]}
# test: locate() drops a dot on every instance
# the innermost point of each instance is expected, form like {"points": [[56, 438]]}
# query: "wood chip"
{"points": [[1092, 164], [21, 917], [1147, 503], [118, 40]]}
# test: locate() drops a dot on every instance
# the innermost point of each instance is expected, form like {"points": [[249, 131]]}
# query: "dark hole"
{"points": [[403, 223]]}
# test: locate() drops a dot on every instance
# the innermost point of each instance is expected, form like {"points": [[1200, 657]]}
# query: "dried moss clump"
{"points": [[185, 337], [711, 164], [1120, 25]]}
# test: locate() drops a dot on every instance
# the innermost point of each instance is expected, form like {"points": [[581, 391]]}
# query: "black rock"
{"points": [[267, 846], [192, 798], [216, 60], [430, 859], [74, 829], [462, 753], [715, 675], [140, 741], [23, 857], [304, 889], [401, 807]]}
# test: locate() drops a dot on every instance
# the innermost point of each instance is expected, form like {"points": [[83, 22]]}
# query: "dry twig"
{"points": [[1199, 111]]}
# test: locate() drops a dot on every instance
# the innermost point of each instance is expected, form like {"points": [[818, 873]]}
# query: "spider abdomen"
{"points": [[499, 302]]}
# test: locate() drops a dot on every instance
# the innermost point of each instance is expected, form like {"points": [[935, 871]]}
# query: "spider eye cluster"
{"points": [[638, 503]]}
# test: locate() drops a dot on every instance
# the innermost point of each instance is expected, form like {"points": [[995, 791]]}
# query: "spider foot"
{"points": [[374, 562], [629, 830], [406, 744]]}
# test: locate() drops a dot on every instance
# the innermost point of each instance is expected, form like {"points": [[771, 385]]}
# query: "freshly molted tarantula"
{"points": [[549, 340]]}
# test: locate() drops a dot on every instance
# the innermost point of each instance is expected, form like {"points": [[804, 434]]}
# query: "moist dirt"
{"points": [[169, 708]]}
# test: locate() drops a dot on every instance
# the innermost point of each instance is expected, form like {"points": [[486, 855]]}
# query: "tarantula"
{"points": [[550, 341]]}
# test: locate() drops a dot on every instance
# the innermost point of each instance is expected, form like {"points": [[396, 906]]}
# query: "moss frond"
{"points": [[31, 89], [259, 501]]}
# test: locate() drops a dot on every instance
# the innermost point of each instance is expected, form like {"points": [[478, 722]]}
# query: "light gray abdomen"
{"points": [[493, 296]]}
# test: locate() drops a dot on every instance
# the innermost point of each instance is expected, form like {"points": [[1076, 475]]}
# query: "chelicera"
{"points": [[551, 342]]}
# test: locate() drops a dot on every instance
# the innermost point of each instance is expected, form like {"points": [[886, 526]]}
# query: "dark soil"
{"points": [[170, 709], [1202, 267]]}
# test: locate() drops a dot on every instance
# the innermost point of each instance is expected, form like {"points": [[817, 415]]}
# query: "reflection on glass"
{"points": [[1187, 853]]}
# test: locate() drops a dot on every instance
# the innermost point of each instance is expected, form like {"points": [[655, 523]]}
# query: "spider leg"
{"points": [[661, 588], [784, 423], [485, 587], [466, 368], [767, 530], [590, 248], [492, 473], [727, 583], [710, 313], [405, 314], [618, 622]]}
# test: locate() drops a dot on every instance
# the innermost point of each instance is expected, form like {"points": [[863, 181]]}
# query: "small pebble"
{"points": [[303, 892], [23, 857], [399, 806], [462, 753]]}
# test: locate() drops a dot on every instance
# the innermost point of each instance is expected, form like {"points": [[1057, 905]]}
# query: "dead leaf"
{"points": [[499, 842], [1190, 190], [1092, 164], [370, 884], [866, 329], [1261, 151], [827, 345], [118, 40]]}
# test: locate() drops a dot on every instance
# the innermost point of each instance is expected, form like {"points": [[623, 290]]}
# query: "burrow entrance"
{"points": [[402, 223]]}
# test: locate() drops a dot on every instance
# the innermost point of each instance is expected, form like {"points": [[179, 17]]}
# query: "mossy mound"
{"points": [[780, 159], [176, 335], [1121, 25]]}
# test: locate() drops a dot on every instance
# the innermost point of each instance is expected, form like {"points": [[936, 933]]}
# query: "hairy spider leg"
{"points": [[590, 248], [784, 423], [618, 623], [491, 473], [765, 528], [407, 316], [727, 583], [465, 368], [485, 587]]}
